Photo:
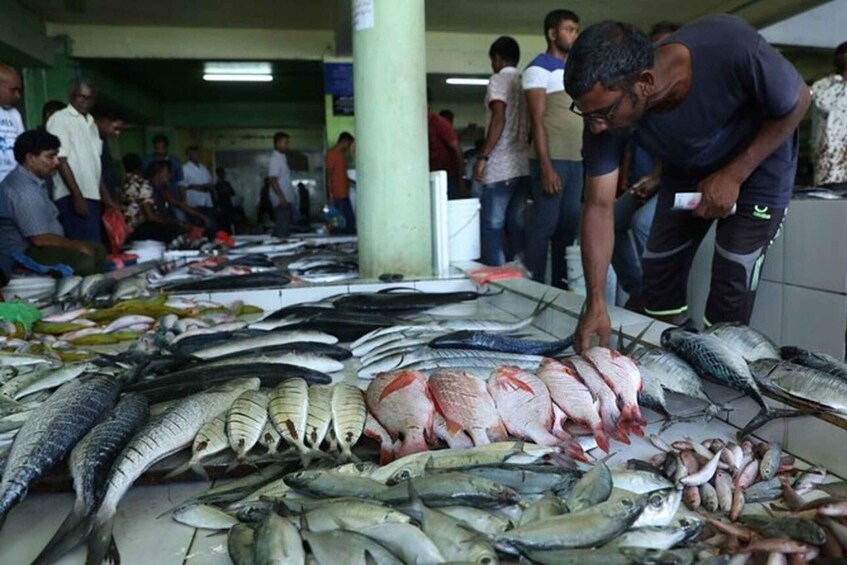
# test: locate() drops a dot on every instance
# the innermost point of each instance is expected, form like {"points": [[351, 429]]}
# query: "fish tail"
{"points": [[101, 544], [181, 469], [602, 438], [613, 424], [573, 449], [70, 534]]}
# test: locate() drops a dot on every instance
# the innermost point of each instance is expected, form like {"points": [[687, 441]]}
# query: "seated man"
{"points": [[146, 209], [29, 221]]}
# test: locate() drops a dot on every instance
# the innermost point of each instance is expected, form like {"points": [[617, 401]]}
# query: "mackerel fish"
{"points": [[671, 372], [804, 383], [814, 360], [712, 357], [172, 431], [751, 344], [588, 528], [48, 436], [89, 462]]}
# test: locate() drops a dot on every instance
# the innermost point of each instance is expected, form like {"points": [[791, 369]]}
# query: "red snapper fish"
{"points": [[571, 395], [466, 406], [624, 378], [609, 411], [524, 405], [400, 401]]}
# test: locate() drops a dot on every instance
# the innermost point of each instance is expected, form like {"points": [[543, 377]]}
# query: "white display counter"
{"points": [[802, 296]]}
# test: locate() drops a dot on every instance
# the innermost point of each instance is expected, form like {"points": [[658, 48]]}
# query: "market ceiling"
{"points": [[471, 16]]}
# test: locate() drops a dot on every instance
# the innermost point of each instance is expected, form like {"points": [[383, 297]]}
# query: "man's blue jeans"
{"points": [[631, 214], [553, 221], [503, 206]]}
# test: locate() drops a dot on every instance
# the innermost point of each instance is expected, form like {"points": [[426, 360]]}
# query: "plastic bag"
{"points": [[116, 229]]}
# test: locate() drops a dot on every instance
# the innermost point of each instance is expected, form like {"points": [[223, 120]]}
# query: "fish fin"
{"points": [[71, 533], [180, 470], [516, 382], [573, 449], [638, 340], [404, 379], [101, 544], [765, 415]]}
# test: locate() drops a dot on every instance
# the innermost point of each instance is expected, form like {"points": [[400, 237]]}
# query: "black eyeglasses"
{"points": [[602, 116]]}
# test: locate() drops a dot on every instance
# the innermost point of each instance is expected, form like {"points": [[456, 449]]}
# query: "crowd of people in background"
{"points": [[58, 181], [528, 170]]}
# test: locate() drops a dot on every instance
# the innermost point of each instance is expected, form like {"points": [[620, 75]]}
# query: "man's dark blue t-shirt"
{"points": [[738, 81]]}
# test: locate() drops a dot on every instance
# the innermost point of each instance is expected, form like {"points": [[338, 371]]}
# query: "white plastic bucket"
{"points": [[463, 229]]}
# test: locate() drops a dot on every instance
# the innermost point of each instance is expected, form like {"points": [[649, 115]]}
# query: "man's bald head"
{"points": [[10, 87]]}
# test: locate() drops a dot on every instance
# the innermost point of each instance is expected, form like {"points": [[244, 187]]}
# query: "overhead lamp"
{"points": [[237, 72], [464, 81], [216, 77]]}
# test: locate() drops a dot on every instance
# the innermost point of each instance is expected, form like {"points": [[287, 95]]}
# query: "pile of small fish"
{"points": [[469, 506], [723, 478]]}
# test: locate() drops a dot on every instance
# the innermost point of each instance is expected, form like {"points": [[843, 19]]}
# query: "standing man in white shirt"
{"points": [[502, 164], [11, 124], [197, 187], [282, 194], [79, 190]]}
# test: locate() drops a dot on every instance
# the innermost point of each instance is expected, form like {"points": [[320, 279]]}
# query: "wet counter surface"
{"points": [[145, 535]]}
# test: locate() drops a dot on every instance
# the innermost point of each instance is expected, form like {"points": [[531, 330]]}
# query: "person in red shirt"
{"points": [[445, 153], [337, 183]]}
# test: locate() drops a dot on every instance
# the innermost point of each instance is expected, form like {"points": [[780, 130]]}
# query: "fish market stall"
{"points": [[583, 455]]}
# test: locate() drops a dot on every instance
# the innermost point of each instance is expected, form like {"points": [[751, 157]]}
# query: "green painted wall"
{"points": [[271, 115], [336, 124], [41, 84]]}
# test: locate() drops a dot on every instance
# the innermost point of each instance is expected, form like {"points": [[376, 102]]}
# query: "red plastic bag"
{"points": [[116, 229]]}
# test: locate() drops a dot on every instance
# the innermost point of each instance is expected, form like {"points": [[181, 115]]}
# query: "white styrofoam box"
{"points": [[703, 258], [813, 256], [773, 268], [767, 313], [814, 319]]}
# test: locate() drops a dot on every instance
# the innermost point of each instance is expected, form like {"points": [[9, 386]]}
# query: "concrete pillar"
{"points": [[392, 163]]}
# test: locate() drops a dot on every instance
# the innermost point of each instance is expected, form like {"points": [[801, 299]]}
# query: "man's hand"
{"points": [[720, 193], [109, 202], [645, 188], [479, 169], [551, 184], [594, 321], [80, 206]]}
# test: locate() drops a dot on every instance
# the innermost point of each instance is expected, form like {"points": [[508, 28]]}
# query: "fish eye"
{"points": [[626, 502], [655, 500]]}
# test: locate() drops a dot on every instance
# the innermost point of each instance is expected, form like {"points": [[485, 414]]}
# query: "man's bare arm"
{"points": [[597, 238]]}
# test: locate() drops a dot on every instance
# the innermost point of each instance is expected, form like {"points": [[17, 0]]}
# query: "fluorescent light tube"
{"points": [[459, 81], [237, 68], [217, 77]]}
